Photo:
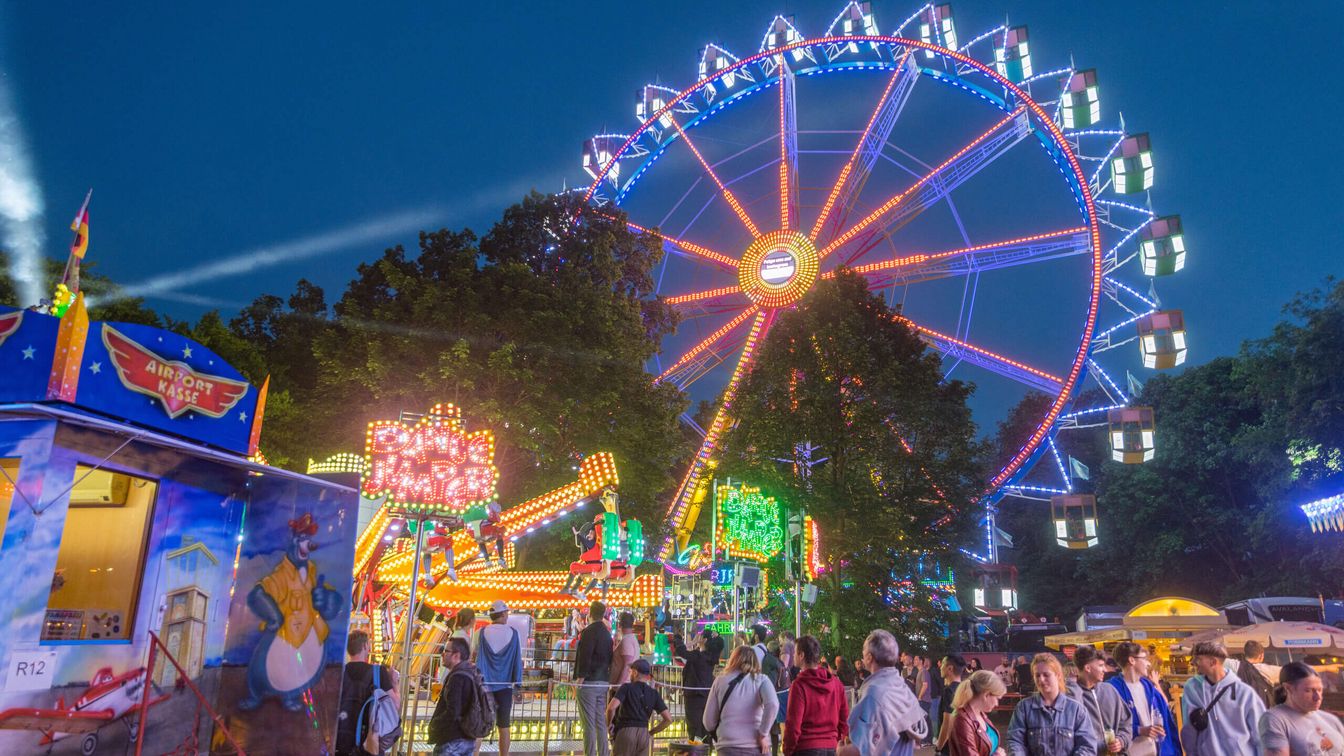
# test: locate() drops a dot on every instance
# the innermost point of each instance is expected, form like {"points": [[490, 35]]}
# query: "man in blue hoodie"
{"points": [[1230, 708], [1150, 718], [499, 657]]}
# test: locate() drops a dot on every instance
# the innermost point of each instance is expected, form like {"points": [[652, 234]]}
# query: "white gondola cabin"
{"points": [[1131, 434], [1162, 339], [1075, 518]]}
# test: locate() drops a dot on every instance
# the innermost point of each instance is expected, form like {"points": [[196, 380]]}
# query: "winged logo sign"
{"points": [[9, 323], [177, 386]]}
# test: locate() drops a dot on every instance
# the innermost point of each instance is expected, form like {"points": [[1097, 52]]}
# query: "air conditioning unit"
{"points": [[99, 488]]}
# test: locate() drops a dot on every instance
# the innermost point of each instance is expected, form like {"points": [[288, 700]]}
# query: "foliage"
{"points": [[1241, 441], [841, 373]]}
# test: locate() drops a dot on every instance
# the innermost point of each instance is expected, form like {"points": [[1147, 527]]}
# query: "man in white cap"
{"points": [[499, 657]]}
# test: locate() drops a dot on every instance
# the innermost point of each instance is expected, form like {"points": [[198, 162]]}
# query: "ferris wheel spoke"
{"points": [[788, 147], [683, 511], [933, 186], [720, 295], [726, 193], [909, 269], [957, 349], [706, 344], [694, 251], [854, 174]]}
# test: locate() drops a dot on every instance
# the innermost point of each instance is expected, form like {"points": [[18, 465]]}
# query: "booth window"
{"points": [[101, 561], [10, 476]]}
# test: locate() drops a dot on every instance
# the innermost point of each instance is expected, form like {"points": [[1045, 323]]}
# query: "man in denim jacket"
{"points": [[1049, 723]]}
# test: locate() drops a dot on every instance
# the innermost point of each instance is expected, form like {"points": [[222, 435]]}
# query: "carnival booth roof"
{"points": [[137, 374], [1166, 617], [1291, 636]]}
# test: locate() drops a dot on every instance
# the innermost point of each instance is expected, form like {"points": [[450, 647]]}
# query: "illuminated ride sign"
{"points": [[177, 386], [778, 268], [751, 525], [430, 467]]}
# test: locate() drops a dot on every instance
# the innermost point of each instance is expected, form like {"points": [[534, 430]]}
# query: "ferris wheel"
{"points": [[984, 196]]}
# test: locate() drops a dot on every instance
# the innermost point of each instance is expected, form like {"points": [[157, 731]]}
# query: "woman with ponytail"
{"points": [[972, 733], [1297, 726]]}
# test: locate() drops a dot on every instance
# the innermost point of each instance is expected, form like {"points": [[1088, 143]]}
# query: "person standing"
{"points": [[499, 657], [886, 719], [592, 670], [714, 645], [952, 668], [1150, 716], [626, 652], [787, 648], [1254, 672], [924, 686], [356, 687], [455, 701], [972, 732], [844, 672], [629, 711], [1297, 726], [1049, 723], [742, 707], [1109, 715], [816, 719], [1022, 671], [936, 686], [697, 675], [1005, 673], [1229, 708]]}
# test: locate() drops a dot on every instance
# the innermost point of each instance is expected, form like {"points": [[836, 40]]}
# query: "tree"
{"points": [[840, 372], [540, 332]]}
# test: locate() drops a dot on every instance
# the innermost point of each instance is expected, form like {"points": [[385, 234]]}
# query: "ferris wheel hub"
{"points": [[778, 268]]}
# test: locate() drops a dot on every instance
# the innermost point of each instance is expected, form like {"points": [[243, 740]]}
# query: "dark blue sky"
{"points": [[208, 130]]}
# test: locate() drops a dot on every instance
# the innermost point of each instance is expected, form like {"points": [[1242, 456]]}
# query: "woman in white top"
{"points": [[742, 706], [1297, 726]]}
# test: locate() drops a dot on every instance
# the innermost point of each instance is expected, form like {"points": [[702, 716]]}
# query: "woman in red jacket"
{"points": [[972, 734], [818, 714]]}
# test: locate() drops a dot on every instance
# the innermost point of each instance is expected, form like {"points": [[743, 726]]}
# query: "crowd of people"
{"points": [[780, 694]]}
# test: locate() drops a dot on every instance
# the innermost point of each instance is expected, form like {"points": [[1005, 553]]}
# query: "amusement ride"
{"points": [[997, 202]]}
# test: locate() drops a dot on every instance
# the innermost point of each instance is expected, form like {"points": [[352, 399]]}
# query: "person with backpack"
{"points": [[464, 713], [768, 661], [630, 709], [1254, 672], [358, 686], [499, 657], [741, 719]]}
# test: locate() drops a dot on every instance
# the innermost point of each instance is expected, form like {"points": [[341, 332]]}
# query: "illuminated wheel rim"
{"points": [[783, 260]]}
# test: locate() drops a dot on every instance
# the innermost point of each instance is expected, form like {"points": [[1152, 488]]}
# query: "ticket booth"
{"points": [[131, 512]]}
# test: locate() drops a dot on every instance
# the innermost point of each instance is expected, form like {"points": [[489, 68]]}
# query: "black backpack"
{"points": [[479, 719], [1252, 676], [769, 665]]}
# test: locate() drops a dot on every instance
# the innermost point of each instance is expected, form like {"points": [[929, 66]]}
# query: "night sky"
{"points": [[212, 130]]}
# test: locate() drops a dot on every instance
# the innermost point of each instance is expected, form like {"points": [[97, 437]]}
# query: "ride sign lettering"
{"points": [[431, 466]]}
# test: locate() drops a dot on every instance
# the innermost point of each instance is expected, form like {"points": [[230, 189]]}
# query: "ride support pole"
{"points": [[797, 608], [546, 729], [145, 693], [407, 645]]}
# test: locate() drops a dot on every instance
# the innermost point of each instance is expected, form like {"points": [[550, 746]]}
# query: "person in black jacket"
{"points": [[459, 690], [697, 675], [592, 667], [714, 645]]}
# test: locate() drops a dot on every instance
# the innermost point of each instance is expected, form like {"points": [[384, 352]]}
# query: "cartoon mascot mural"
{"points": [[294, 604]]}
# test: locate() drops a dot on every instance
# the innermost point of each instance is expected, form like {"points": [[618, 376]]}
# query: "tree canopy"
{"points": [[895, 495]]}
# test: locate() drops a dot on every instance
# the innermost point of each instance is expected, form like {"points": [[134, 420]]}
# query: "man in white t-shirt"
{"points": [[626, 651], [1005, 673]]}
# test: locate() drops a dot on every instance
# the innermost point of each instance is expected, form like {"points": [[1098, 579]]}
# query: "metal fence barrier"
{"points": [[545, 710]]}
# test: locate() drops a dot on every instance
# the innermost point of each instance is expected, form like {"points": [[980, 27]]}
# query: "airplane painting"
{"points": [[109, 698]]}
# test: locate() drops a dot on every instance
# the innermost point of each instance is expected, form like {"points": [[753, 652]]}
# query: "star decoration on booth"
{"points": [[186, 352], [242, 417], [28, 353], [96, 368]]}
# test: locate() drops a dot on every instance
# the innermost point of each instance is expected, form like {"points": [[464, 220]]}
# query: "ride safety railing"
{"points": [[547, 716], [190, 744]]}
